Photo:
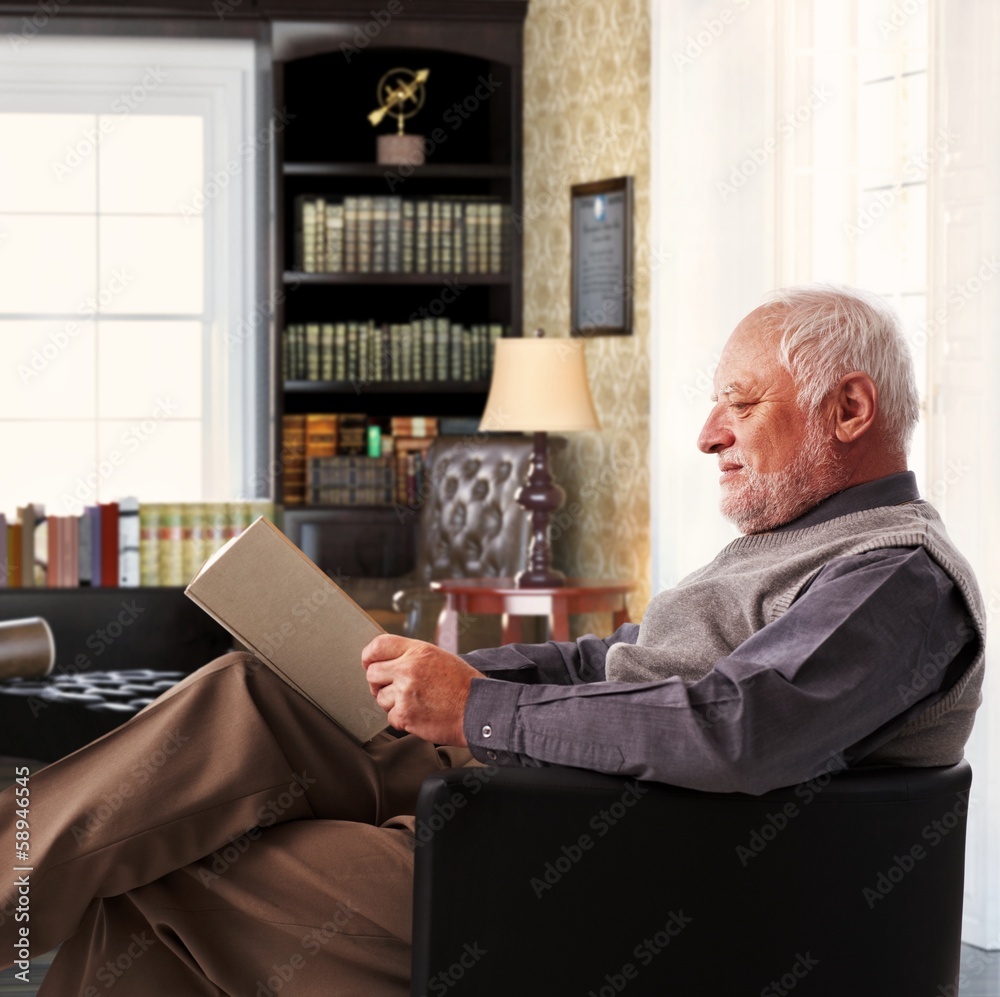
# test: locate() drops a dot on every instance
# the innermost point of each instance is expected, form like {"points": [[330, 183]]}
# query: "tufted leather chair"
{"points": [[470, 527]]}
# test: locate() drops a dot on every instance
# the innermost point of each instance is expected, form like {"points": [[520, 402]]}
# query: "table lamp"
{"points": [[539, 386]]}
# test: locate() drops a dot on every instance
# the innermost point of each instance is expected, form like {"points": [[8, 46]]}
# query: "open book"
{"points": [[286, 610]]}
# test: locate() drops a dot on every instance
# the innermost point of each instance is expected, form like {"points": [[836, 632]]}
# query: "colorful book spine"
{"points": [[70, 552], [84, 555], [149, 548], [26, 515], [15, 574], [192, 545], [109, 543], [52, 574], [93, 513], [128, 542]]}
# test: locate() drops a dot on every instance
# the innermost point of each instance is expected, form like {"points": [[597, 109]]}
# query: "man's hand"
{"points": [[422, 687]]}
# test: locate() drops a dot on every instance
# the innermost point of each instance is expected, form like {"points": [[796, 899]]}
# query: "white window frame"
{"points": [[218, 79]]}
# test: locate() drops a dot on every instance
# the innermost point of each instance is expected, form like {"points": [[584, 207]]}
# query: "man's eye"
{"points": [[739, 406]]}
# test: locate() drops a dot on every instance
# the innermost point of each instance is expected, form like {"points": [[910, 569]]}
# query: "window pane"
{"points": [[913, 123], [150, 164], [141, 362], [878, 141], [155, 459], [48, 370], [47, 162], [47, 263], [152, 265], [54, 462]]}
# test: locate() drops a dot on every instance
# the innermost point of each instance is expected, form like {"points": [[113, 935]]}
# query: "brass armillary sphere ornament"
{"points": [[401, 93]]}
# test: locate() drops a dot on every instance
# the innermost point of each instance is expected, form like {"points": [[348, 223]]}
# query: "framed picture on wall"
{"points": [[601, 268]]}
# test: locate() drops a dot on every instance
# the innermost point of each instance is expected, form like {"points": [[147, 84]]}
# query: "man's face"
{"points": [[776, 463]]}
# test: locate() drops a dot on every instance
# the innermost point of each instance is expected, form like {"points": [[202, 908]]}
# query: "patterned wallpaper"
{"points": [[586, 117]]}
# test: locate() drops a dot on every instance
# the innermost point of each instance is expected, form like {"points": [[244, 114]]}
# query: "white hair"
{"points": [[828, 331]]}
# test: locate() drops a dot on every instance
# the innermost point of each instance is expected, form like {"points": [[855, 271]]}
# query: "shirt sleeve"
{"points": [[870, 635], [555, 662]]}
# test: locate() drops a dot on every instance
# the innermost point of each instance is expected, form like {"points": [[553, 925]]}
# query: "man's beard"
{"points": [[757, 501]]}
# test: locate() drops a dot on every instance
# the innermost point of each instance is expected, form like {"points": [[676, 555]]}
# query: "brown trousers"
{"points": [[228, 839]]}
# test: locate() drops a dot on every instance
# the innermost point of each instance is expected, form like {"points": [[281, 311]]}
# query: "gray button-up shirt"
{"points": [[696, 728]]}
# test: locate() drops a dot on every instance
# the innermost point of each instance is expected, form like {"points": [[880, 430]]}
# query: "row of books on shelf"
{"points": [[388, 234], [119, 544], [421, 350], [347, 458]]}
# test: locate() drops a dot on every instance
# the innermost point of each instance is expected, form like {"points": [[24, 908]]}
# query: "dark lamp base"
{"points": [[530, 579]]}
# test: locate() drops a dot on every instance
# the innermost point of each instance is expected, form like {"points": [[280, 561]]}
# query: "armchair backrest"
{"points": [[470, 525]]}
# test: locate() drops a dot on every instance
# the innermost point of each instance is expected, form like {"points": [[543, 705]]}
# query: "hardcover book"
{"points": [[286, 610]]}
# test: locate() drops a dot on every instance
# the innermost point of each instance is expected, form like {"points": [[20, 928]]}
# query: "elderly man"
{"points": [[268, 852]]}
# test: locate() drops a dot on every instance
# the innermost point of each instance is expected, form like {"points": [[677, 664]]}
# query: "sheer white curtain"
{"points": [[801, 141], [127, 271]]}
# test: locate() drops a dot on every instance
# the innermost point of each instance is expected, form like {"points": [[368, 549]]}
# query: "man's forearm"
{"points": [[551, 663]]}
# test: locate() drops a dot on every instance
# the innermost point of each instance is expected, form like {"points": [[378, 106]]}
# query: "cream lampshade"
{"points": [[539, 386]]}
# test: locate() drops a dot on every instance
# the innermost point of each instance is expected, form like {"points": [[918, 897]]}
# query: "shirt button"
{"points": [[491, 755], [487, 731]]}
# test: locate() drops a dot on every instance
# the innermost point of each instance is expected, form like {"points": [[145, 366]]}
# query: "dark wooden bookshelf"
{"points": [[329, 150], [449, 171], [294, 277], [402, 388]]}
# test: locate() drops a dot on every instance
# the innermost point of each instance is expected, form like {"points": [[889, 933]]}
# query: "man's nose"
{"points": [[715, 435]]}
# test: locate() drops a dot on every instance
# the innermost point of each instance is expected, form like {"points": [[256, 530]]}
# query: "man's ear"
{"points": [[854, 406]]}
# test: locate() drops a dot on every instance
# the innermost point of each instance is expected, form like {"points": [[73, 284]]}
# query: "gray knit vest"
{"points": [[755, 579]]}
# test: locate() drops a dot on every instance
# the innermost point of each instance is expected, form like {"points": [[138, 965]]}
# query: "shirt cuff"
{"points": [[490, 715]]}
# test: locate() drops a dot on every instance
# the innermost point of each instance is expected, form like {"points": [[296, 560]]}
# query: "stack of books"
{"points": [[122, 544], [349, 459], [421, 350], [412, 438], [351, 481], [371, 234]]}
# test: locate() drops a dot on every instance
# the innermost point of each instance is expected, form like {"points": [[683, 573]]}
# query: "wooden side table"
{"points": [[500, 597]]}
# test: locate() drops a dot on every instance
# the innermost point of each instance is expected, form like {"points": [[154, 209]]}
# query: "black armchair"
{"points": [[559, 881]]}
